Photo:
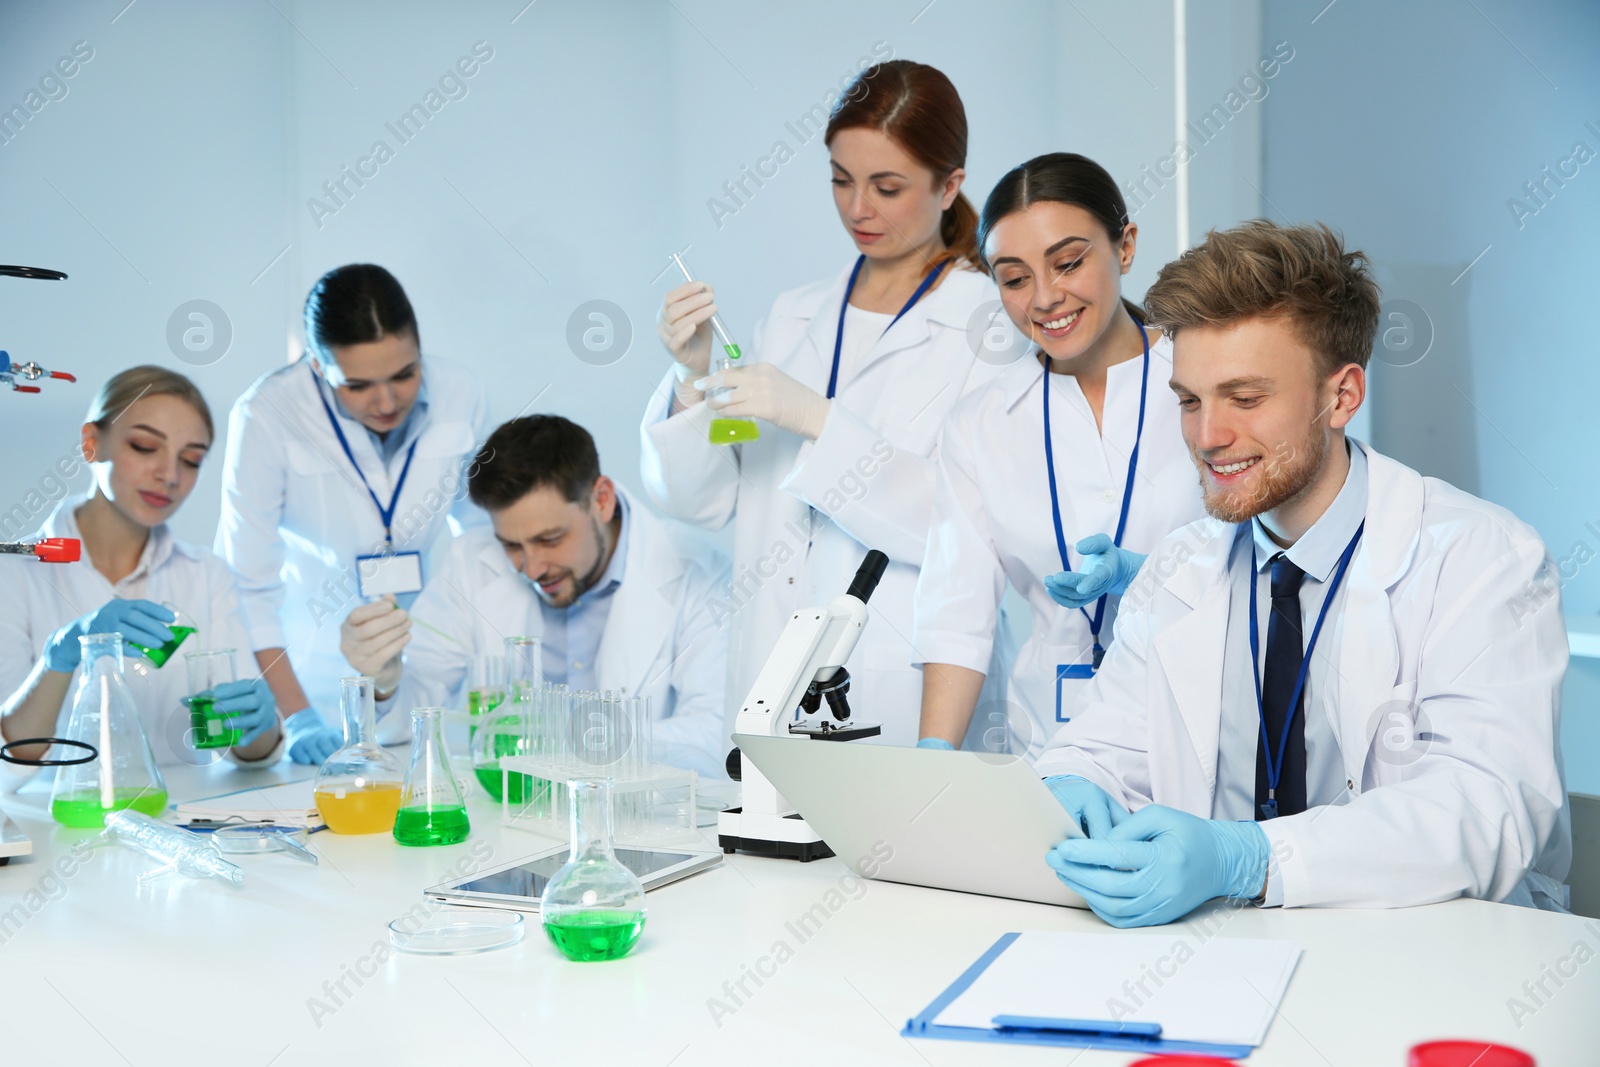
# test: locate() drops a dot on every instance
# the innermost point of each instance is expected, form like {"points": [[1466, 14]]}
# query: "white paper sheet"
{"points": [[290, 803], [1221, 990]]}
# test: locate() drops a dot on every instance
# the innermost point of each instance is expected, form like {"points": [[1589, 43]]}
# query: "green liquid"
{"points": [[522, 786], [210, 729], [733, 431], [504, 744], [159, 656], [441, 826], [479, 701], [84, 809], [586, 936], [733, 351]]}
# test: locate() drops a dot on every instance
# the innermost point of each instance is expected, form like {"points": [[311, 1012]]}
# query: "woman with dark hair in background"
{"points": [[850, 378], [146, 434], [344, 475], [1058, 474]]}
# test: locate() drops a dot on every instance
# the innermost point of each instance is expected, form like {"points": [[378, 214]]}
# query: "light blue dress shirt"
{"points": [[572, 634], [1317, 553]]}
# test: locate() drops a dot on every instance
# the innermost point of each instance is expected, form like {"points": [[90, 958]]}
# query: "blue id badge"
{"points": [[1065, 671], [398, 573]]}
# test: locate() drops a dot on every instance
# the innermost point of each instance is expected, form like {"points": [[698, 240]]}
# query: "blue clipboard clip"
{"points": [[1078, 671]]}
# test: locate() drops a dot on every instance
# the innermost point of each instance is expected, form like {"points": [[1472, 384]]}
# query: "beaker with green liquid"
{"points": [[123, 773], [593, 909], [433, 810], [181, 626], [508, 733], [207, 670], [725, 353]]}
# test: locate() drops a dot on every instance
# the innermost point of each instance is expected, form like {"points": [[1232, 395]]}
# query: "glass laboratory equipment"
{"points": [[207, 670], [358, 789], [725, 353], [178, 850], [433, 810], [181, 626], [124, 774], [593, 909], [510, 732], [486, 687]]}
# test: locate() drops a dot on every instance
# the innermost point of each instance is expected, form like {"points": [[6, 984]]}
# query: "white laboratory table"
{"points": [[94, 970]]}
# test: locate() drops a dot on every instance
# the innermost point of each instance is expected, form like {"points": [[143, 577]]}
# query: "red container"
{"points": [[1467, 1054], [1181, 1061]]}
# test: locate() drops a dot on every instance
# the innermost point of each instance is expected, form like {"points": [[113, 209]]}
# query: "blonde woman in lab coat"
{"points": [[850, 379], [146, 435], [356, 452], [1057, 481]]}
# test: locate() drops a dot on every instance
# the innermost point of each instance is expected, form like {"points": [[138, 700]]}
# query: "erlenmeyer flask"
{"points": [[507, 733], [432, 809], [593, 909], [358, 788], [124, 774]]}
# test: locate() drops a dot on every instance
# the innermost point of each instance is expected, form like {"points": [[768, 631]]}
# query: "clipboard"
{"points": [[1127, 1035]]}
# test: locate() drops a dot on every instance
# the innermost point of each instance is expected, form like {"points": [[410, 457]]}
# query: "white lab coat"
{"points": [[1451, 619], [40, 598], [806, 512], [295, 515], [992, 525], [660, 641]]}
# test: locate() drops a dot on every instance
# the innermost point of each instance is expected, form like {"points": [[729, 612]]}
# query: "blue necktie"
{"points": [[1285, 650]]}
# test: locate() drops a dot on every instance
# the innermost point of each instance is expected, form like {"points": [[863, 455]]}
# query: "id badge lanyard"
{"points": [[1274, 755], [1086, 670], [386, 514], [838, 337]]}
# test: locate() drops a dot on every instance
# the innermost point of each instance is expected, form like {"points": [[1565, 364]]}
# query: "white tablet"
{"points": [[518, 885]]}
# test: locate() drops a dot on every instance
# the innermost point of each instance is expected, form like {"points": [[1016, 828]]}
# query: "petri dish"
{"points": [[456, 933], [257, 837]]}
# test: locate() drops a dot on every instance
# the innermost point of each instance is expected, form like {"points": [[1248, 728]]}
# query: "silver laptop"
{"points": [[968, 821]]}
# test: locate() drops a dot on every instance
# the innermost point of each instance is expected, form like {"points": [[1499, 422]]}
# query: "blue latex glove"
{"points": [[1090, 806], [936, 742], [248, 706], [1159, 864], [1105, 569], [140, 621], [310, 739]]}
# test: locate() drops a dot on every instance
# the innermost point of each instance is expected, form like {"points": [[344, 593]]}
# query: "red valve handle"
{"points": [[58, 550], [63, 375], [25, 388]]}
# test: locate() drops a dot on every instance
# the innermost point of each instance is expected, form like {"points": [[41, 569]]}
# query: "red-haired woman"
{"points": [[851, 378]]}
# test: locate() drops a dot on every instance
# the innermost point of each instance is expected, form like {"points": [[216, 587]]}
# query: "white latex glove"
{"points": [[762, 391], [685, 329], [371, 638]]}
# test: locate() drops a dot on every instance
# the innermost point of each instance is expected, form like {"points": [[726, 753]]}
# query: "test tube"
{"points": [[730, 348], [723, 431]]}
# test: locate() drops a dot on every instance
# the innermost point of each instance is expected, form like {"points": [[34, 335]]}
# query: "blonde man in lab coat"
{"points": [[573, 560], [1395, 740]]}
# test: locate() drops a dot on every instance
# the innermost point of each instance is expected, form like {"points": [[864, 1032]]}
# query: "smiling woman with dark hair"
{"points": [[146, 434], [357, 451]]}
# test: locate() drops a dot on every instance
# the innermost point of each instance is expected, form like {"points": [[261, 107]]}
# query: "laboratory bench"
{"points": [[755, 962]]}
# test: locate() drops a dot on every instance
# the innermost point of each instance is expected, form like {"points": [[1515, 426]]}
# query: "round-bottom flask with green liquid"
{"points": [[433, 810], [593, 909]]}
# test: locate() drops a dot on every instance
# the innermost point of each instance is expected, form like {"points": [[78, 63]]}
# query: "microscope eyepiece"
{"points": [[867, 575]]}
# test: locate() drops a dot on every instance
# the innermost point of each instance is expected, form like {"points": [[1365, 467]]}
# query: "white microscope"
{"points": [[805, 667]]}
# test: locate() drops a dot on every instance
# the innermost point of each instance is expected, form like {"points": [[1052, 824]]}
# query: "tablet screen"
{"points": [[529, 879]]}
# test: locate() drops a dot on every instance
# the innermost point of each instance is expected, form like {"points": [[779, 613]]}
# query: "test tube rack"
{"points": [[652, 805]]}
